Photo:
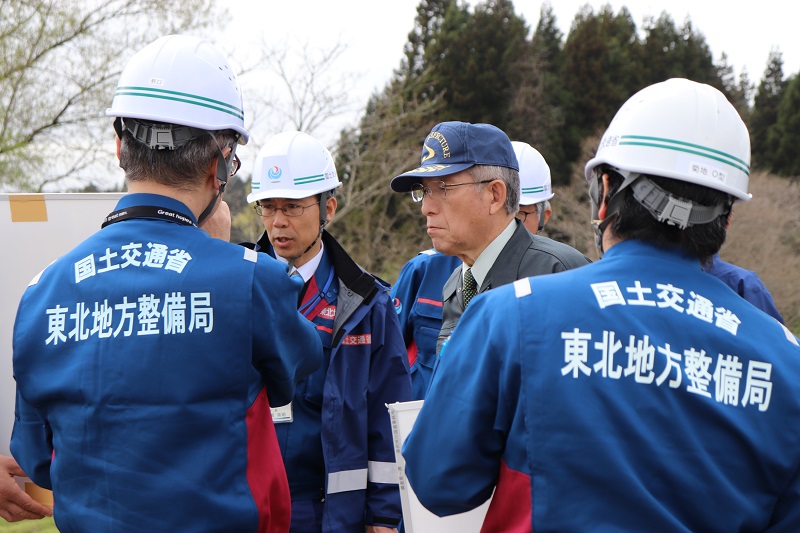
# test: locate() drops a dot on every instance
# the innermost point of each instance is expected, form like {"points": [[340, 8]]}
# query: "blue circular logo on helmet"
{"points": [[274, 173]]}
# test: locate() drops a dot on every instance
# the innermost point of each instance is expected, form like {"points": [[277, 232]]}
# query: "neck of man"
{"points": [[495, 226], [609, 239], [309, 255], [196, 200]]}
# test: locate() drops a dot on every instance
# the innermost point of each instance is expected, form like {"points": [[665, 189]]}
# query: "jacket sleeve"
{"points": [[403, 295], [454, 451], [32, 443], [754, 291], [286, 346], [786, 516], [389, 382]]}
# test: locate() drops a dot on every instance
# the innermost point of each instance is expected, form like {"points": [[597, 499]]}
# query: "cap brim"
{"points": [[404, 181]]}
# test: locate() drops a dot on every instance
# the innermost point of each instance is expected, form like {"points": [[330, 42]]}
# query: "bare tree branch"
{"points": [[59, 61], [312, 88]]}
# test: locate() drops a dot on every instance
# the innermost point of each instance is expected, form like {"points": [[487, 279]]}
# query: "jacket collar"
{"points": [[352, 276]]}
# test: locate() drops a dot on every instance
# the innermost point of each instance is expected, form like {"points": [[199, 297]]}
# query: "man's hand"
{"points": [[15, 505], [381, 529], [218, 225]]}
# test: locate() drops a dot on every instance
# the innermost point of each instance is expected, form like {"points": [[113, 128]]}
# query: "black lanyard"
{"points": [[147, 211]]}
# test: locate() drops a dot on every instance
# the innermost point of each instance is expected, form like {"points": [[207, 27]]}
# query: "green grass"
{"points": [[45, 525]]}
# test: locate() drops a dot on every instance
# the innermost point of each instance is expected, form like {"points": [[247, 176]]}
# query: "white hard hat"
{"points": [[292, 165], [534, 174], [184, 80], [683, 130]]}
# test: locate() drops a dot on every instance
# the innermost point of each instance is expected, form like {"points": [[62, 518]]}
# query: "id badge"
{"points": [[282, 414]]}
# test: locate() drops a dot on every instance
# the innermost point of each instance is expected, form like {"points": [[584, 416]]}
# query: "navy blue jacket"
{"points": [[417, 298], [746, 283], [367, 369], [143, 360], [646, 396]]}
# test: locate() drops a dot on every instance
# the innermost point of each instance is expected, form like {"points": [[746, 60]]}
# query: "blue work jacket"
{"points": [[144, 358], [746, 283], [367, 370], [644, 395], [417, 298]]}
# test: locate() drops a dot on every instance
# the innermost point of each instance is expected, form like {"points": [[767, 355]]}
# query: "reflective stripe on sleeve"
{"points": [[347, 480], [381, 472]]}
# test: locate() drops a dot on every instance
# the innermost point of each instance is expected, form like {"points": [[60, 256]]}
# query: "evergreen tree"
{"points": [[600, 71], [784, 136], [657, 54], [737, 90], [671, 52], [536, 108], [471, 62], [743, 99], [427, 25], [694, 57], [548, 39], [765, 110]]}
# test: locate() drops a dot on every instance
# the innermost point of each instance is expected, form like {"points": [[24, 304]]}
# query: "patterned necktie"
{"points": [[470, 287]]}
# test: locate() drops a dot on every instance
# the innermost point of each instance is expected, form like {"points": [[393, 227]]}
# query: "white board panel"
{"points": [[36, 230], [416, 518]]}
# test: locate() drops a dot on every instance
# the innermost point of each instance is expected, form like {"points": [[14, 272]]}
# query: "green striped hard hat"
{"points": [[683, 130], [292, 165], [182, 80], [534, 174]]}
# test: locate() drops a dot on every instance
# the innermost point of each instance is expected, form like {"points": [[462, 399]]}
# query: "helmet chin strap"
{"points": [[612, 205], [323, 221], [222, 176], [170, 137], [293, 259], [598, 225], [662, 205]]}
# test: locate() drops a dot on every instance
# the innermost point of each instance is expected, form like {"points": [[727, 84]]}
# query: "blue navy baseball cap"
{"points": [[451, 147]]}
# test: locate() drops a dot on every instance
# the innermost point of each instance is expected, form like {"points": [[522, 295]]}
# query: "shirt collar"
{"points": [[489, 255], [307, 270]]}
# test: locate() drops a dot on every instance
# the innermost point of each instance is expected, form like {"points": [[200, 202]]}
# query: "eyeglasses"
{"points": [[236, 164], [526, 213], [418, 190], [290, 210]]}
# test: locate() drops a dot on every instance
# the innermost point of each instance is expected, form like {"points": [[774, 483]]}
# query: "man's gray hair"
{"points": [[182, 168], [508, 175]]}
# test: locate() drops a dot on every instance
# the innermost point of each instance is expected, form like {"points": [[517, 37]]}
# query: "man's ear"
{"points": [[212, 171], [498, 190], [330, 208], [119, 147], [211, 174], [547, 214]]}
